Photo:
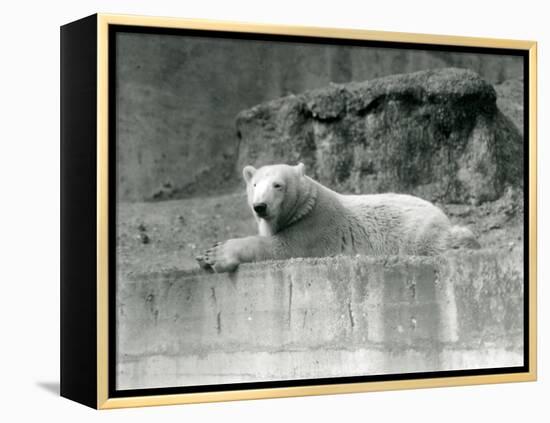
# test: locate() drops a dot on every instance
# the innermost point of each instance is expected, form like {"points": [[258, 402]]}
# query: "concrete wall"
{"points": [[314, 318], [177, 98]]}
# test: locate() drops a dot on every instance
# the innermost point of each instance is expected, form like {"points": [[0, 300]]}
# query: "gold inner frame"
{"points": [[103, 22]]}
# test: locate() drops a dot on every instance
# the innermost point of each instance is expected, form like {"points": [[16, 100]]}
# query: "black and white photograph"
{"points": [[296, 211], [293, 210]]}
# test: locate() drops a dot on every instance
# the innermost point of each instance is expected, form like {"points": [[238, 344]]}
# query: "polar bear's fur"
{"points": [[303, 218]]}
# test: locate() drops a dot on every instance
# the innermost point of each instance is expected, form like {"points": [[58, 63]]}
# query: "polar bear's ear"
{"points": [[248, 173], [301, 169]]}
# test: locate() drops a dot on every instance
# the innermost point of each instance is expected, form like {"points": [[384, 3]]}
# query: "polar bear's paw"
{"points": [[201, 259], [219, 258]]}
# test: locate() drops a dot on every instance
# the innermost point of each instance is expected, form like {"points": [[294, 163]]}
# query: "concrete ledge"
{"points": [[310, 318]]}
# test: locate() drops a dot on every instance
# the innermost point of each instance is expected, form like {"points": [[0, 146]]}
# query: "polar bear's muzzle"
{"points": [[260, 209]]}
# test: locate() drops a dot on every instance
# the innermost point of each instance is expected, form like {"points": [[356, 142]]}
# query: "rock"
{"points": [[144, 238], [510, 101], [437, 134]]}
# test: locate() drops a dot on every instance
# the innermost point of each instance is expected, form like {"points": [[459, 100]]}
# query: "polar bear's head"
{"points": [[273, 191]]}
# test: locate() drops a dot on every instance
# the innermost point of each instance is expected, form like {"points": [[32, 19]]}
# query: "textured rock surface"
{"points": [[339, 316], [510, 100], [437, 134]]}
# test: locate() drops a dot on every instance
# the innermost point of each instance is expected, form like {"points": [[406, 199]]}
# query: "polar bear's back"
{"points": [[399, 223]]}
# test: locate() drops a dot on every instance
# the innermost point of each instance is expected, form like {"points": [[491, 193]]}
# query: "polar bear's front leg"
{"points": [[226, 256]]}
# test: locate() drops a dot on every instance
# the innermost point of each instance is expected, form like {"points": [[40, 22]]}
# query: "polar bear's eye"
{"points": [[277, 186]]}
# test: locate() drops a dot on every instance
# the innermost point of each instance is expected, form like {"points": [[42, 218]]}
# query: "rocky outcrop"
{"points": [[437, 134], [510, 100]]}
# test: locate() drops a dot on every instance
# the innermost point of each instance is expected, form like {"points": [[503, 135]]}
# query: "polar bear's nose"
{"points": [[260, 209]]}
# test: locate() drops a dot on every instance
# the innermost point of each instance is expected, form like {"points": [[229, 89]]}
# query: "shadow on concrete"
{"points": [[51, 387]]}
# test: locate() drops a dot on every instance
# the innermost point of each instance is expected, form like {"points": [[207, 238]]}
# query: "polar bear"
{"points": [[299, 217]]}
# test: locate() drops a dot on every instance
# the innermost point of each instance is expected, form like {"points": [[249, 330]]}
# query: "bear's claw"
{"points": [[217, 258], [208, 259], [204, 262], [214, 259]]}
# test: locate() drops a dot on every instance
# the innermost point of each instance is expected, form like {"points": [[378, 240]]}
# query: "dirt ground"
{"points": [[166, 235], [155, 236]]}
